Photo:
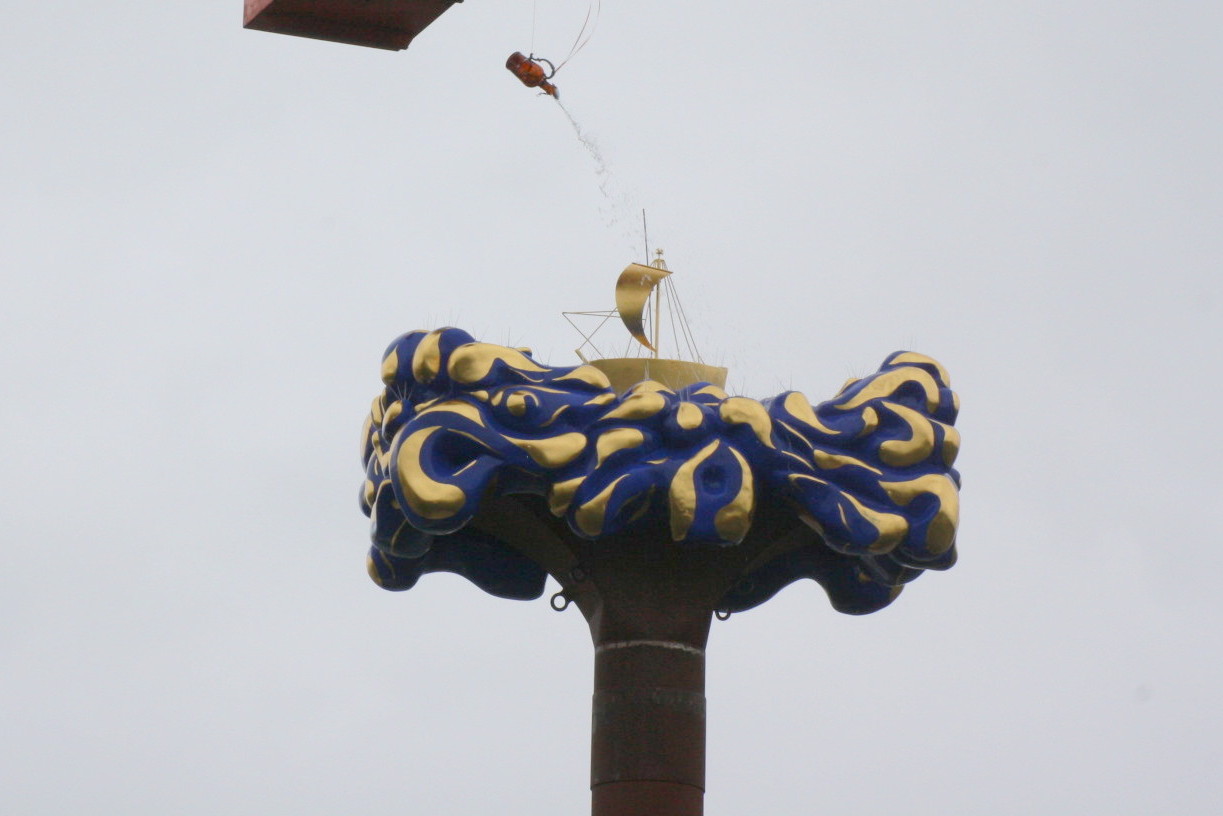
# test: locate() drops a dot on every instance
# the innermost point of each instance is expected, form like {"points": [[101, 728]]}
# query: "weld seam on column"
{"points": [[658, 644], [594, 785]]}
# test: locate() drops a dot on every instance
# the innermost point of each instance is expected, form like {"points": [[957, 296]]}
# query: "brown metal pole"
{"points": [[649, 605], [648, 735]]}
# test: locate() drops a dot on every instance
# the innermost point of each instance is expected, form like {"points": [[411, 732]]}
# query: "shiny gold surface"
{"points": [[472, 362], [427, 497], [683, 492], [887, 382], [390, 365], [951, 445], [870, 421], [919, 445], [640, 405], [831, 461], [633, 290], [427, 359], [625, 372], [463, 409], [688, 416], [587, 374], [589, 516], [745, 411], [561, 495], [553, 451], [941, 533], [915, 357], [371, 569], [892, 528], [516, 403], [614, 440], [392, 414], [799, 407], [652, 386], [605, 398], [734, 520]]}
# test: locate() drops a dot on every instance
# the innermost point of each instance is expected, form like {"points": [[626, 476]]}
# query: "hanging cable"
{"points": [[595, 8]]}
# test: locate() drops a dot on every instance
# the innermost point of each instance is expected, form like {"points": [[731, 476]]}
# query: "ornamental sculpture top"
{"points": [[868, 474]]}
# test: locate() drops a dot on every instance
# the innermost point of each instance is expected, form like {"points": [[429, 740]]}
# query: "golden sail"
{"points": [[640, 300], [633, 291]]}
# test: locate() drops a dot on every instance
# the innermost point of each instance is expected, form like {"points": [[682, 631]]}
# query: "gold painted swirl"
{"points": [[799, 407], [463, 409], [734, 520], [554, 451], [888, 382], [390, 367], [427, 497], [590, 515], [639, 405], [919, 445], [941, 533], [472, 362], [682, 492], [427, 359], [616, 439], [745, 411], [688, 416]]}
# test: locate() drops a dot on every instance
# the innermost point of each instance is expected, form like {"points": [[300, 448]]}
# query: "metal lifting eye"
{"points": [[560, 601], [542, 61], [722, 614]]}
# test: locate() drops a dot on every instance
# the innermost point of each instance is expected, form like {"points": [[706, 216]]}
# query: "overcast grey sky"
{"points": [[209, 235]]}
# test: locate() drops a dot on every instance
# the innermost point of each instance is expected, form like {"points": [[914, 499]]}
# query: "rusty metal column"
{"points": [[649, 605], [648, 734]]}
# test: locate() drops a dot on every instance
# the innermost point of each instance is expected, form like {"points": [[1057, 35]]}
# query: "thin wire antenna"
{"points": [[645, 235]]}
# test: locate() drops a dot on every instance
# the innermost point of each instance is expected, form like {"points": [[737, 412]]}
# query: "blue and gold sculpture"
{"points": [[866, 475]]}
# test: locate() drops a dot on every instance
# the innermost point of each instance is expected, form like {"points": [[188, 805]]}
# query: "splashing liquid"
{"points": [[617, 207]]}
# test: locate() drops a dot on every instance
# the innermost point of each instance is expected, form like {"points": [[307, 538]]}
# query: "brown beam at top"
{"points": [[389, 24]]}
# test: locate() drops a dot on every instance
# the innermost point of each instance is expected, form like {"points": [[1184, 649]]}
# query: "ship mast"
{"points": [[659, 263]]}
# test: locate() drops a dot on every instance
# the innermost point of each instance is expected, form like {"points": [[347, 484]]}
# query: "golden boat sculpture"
{"points": [[640, 307]]}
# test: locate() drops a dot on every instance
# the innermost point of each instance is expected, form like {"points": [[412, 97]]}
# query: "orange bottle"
{"points": [[530, 73]]}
